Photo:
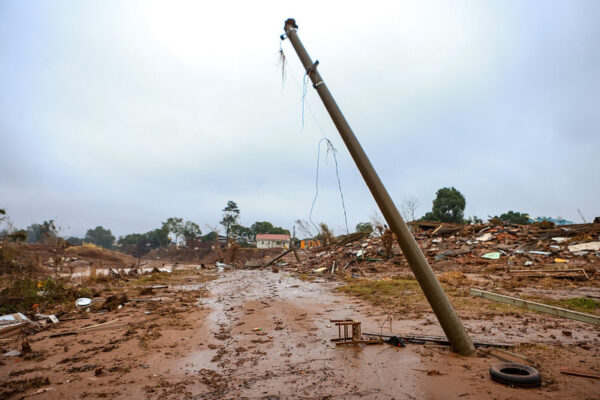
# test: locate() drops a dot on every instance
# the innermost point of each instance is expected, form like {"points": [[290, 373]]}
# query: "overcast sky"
{"points": [[125, 113]]}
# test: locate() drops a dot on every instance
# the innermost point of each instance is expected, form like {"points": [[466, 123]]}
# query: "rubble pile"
{"points": [[571, 251]]}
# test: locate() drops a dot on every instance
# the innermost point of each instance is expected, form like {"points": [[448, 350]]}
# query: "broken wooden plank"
{"points": [[531, 305], [522, 357], [551, 273], [510, 356], [105, 325], [278, 257], [579, 372]]}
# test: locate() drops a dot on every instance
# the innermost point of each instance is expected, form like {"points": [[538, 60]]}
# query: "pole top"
{"points": [[290, 24]]}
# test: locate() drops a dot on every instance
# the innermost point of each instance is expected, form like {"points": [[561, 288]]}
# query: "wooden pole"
{"points": [[445, 313]]}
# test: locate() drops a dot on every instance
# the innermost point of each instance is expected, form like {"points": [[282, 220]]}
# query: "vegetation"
{"points": [[513, 217], [74, 241], [231, 217], [473, 220], [241, 233], [16, 236], [364, 227], [45, 232], [266, 227], [138, 244], [581, 304], [210, 237], [100, 236], [448, 206], [397, 294], [186, 230], [325, 235], [409, 207], [24, 292]]}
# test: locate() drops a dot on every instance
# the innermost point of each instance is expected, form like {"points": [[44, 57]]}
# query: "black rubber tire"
{"points": [[516, 375]]}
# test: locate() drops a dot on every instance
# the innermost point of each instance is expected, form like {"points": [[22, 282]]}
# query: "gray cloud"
{"points": [[124, 115]]}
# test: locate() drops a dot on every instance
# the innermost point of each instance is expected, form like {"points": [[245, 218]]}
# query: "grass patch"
{"points": [[581, 304], [306, 277], [23, 293], [155, 277], [397, 294]]}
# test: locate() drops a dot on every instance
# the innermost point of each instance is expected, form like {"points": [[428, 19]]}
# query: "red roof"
{"points": [[272, 236]]}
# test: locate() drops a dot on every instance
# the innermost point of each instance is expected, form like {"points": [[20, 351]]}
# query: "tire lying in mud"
{"points": [[516, 375]]}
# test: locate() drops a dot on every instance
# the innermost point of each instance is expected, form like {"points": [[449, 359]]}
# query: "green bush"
{"points": [[23, 293]]}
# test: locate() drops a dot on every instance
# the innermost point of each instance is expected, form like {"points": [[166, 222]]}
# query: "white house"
{"points": [[270, 240]]}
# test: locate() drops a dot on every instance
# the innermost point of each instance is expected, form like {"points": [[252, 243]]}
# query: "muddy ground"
{"points": [[260, 334]]}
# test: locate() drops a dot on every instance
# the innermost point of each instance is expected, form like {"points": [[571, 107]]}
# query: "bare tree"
{"points": [[303, 228], [408, 208], [377, 220]]}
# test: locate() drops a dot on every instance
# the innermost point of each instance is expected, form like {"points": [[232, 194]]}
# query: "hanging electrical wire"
{"points": [[333, 150], [330, 147]]}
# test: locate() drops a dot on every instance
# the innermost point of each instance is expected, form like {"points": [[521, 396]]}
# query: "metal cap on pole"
{"points": [[445, 313]]}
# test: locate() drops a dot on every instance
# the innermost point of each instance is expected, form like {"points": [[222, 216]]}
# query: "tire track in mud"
{"points": [[271, 339]]}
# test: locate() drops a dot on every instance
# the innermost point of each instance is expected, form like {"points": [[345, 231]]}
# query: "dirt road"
{"points": [[261, 335]]}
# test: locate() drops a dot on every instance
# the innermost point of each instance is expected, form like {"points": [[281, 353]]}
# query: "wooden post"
{"points": [[445, 313]]}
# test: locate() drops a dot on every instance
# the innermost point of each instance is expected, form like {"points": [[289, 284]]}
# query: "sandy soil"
{"points": [[265, 335]]}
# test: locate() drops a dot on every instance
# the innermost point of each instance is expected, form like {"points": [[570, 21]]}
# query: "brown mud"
{"points": [[264, 335]]}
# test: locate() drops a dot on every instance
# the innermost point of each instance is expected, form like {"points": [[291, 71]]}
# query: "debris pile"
{"points": [[537, 250]]}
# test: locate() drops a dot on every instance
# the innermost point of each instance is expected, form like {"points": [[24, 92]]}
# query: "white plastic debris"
{"points": [[11, 324], [590, 246], [539, 253], [12, 319], [83, 302], [486, 237]]}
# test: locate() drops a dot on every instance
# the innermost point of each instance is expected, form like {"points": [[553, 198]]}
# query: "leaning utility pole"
{"points": [[445, 313]]}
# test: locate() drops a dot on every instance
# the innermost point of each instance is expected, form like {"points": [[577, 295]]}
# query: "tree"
{"points": [[231, 216], [158, 237], [210, 237], [190, 231], [13, 236], [473, 220], [187, 230], [409, 207], [8, 233], [74, 241], [241, 233], [303, 228], [135, 244], [261, 227], [45, 232], [138, 244], [448, 206], [100, 236], [325, 235], [514, 218], [175, 226], [267, 227], [364, 227]]}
